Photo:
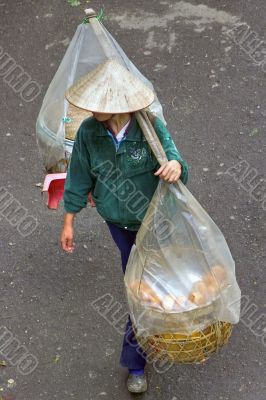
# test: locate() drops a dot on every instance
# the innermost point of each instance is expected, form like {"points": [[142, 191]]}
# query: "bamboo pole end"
{"points": [[90, 13]]}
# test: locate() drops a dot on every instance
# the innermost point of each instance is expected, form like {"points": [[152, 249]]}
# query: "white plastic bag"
{"points": [[83, 54], [180, 276]]}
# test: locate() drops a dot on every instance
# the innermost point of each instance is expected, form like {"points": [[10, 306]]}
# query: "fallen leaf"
{"points": [[254, 132], [74, 3], [57, 358]]}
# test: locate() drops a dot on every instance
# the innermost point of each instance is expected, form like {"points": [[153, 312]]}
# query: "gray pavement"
{"points": [[213, 94]]}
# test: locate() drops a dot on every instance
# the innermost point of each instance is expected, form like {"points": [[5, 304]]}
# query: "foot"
{"points": [[137, 383]]}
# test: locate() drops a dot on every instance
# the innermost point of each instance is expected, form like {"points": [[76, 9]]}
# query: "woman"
{"points": [[112, 161]]}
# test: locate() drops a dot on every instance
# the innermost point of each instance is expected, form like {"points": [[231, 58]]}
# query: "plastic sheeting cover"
{"points": [[83, 54], [180, 276]]}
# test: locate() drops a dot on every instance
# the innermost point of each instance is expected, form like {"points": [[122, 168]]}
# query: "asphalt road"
{"points": [[213, 94]]}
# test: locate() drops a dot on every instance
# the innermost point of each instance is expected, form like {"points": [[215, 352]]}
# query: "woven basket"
{"points": [[74, 118], [186, 349]]}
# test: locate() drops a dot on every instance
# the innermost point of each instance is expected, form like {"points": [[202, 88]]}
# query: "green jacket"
{"points": [[121, 180]]}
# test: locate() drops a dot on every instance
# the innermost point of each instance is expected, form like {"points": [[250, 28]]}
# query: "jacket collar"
{"points": [[134, 132]]}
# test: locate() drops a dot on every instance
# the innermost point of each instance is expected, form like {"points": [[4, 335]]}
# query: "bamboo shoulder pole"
{"points": [[100, 33], [151, 136], [141, 116]]}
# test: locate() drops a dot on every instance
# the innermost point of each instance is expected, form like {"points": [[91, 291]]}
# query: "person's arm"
{"points": [[79, 180], [178, 167], [78, 184], [67, 234]]}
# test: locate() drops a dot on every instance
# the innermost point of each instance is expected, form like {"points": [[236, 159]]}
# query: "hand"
{"points": [[66, 239], [170, 172], [91, 201]]}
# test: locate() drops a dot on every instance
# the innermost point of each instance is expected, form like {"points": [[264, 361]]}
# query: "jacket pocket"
{"points": [[138, 160], [139, 171]]}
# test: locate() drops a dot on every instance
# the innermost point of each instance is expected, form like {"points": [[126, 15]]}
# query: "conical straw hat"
{"points": [[110, 88]]}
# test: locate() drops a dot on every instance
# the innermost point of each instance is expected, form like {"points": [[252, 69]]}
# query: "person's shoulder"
{"points": [[89, 123], [155, 120], [87, 128], [160, 126]]}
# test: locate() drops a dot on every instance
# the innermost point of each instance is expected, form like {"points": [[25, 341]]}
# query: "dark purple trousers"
{"points": [[132, 356]]}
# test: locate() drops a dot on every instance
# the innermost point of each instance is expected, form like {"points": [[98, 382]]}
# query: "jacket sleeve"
{"points": [[170, 148], [79, 180]]}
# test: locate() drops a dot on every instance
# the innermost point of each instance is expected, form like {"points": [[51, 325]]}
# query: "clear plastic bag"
{"points": [[83, 54], [180, 277]]}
